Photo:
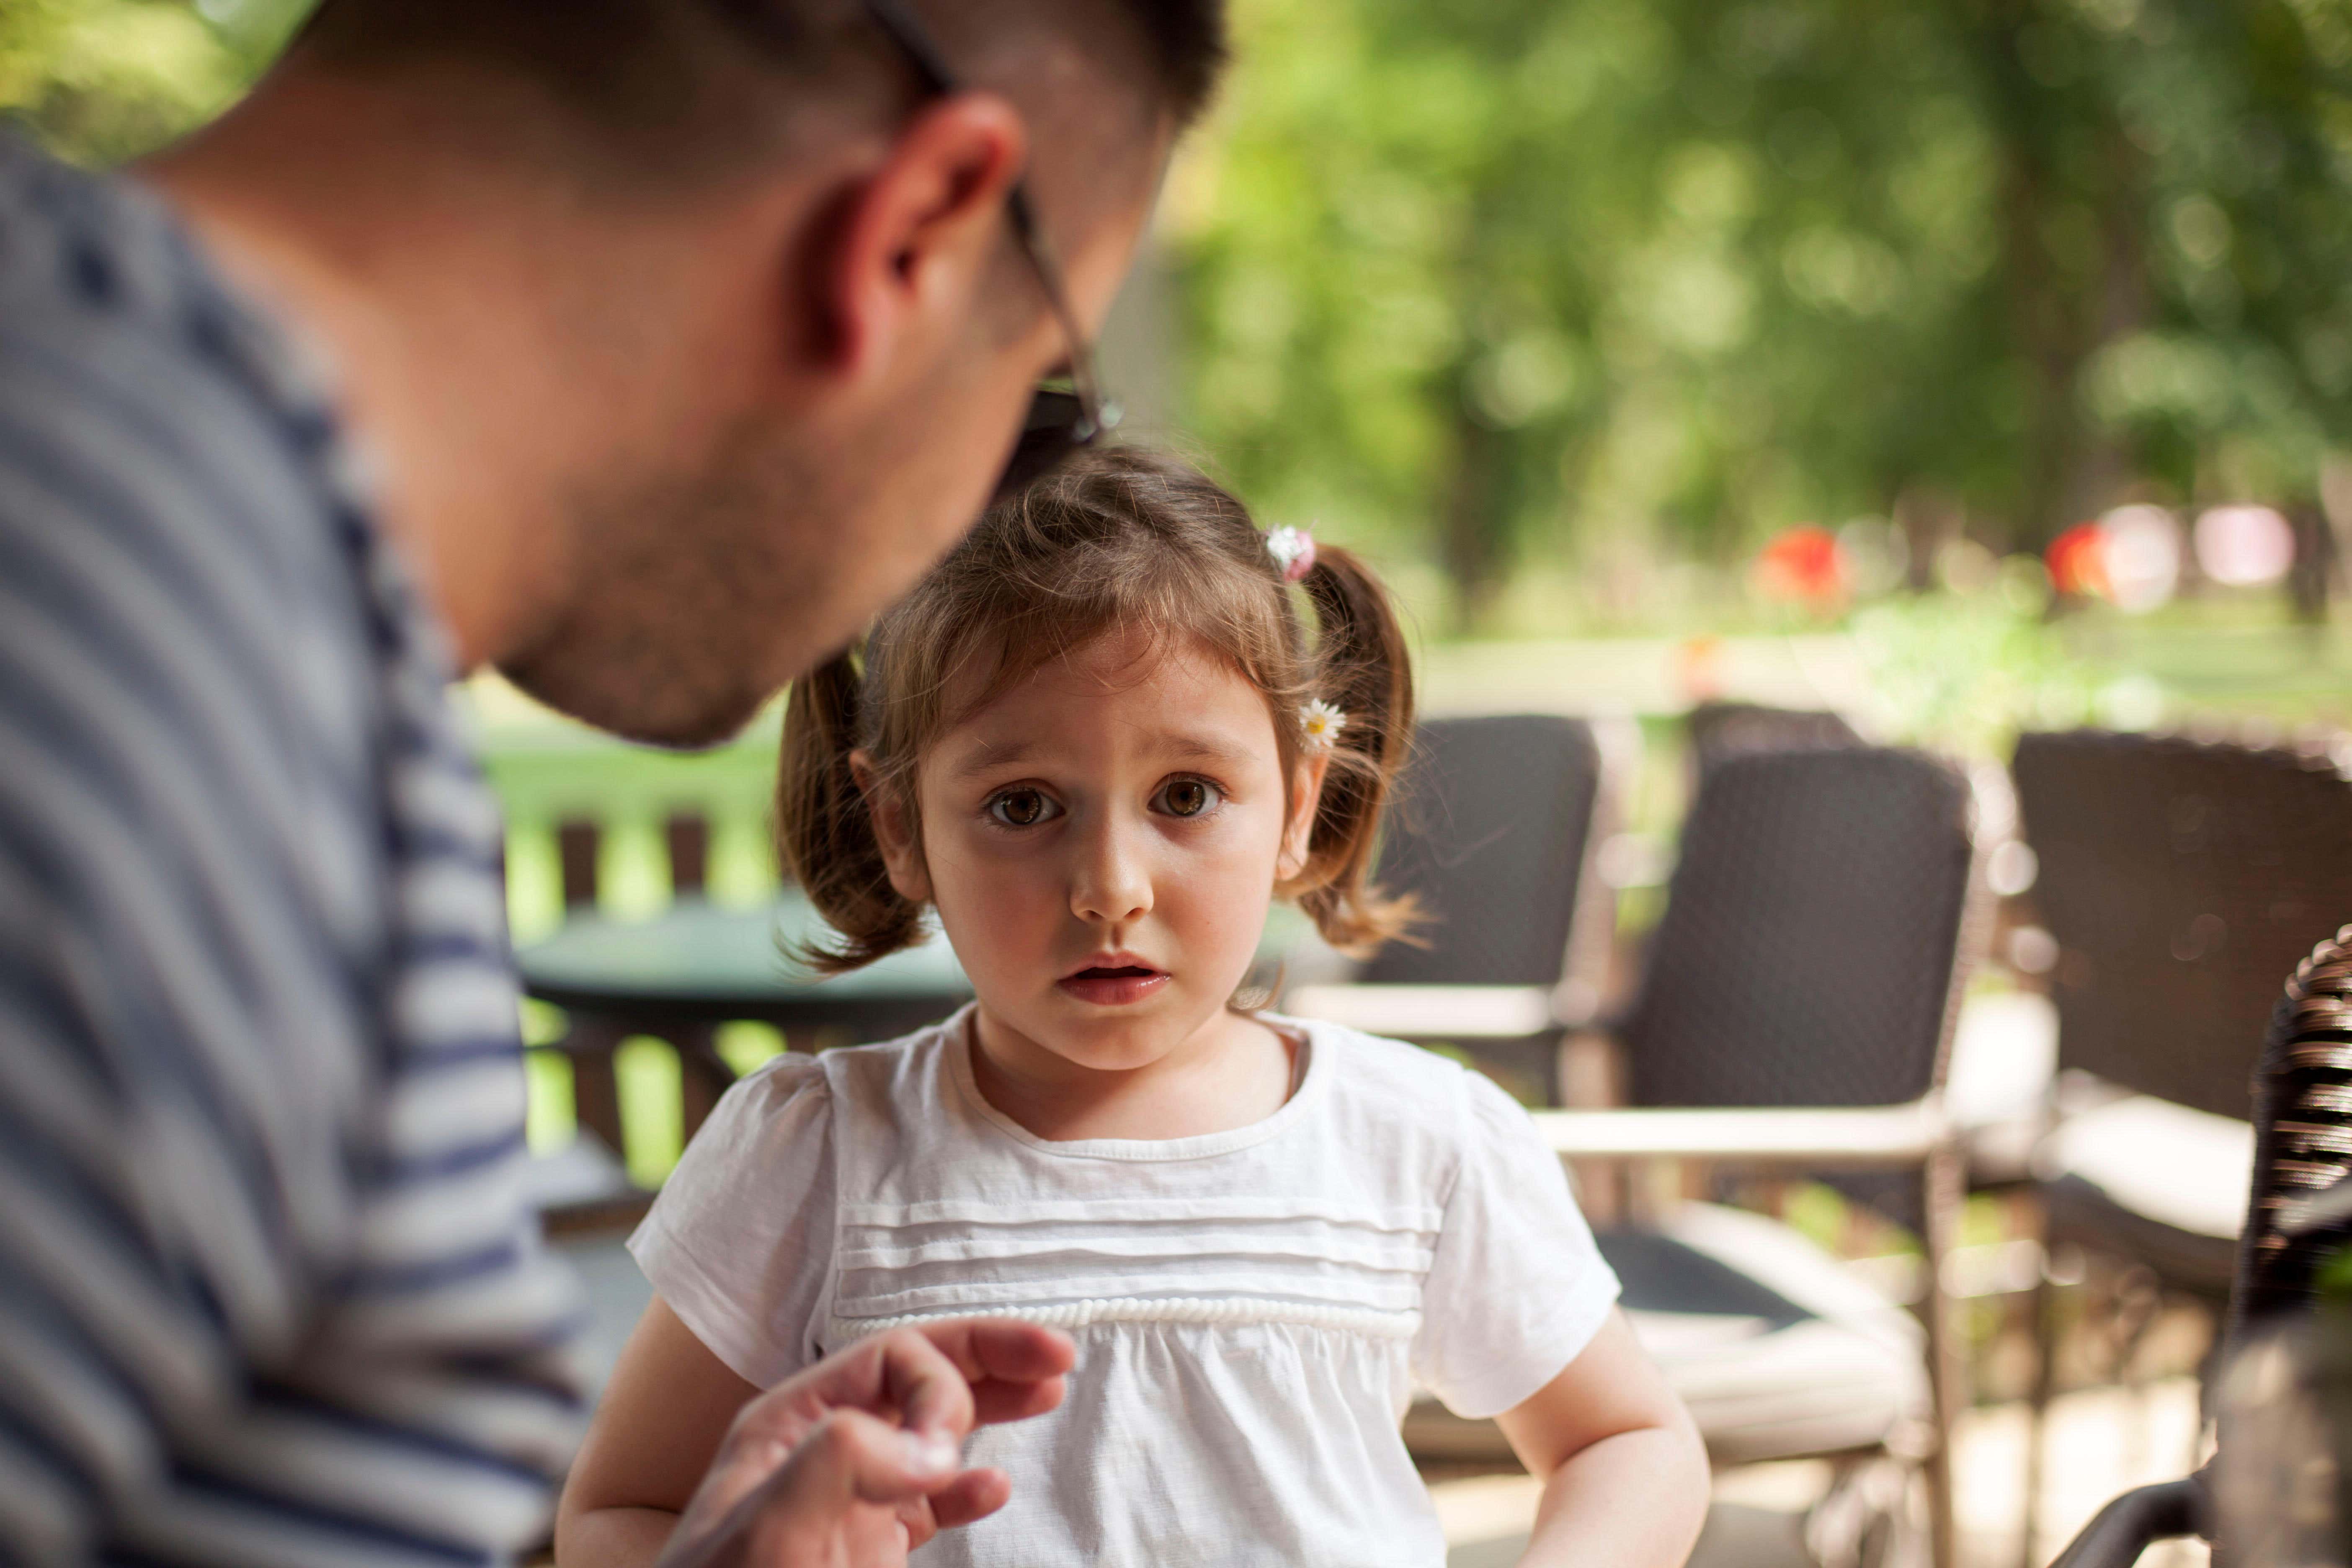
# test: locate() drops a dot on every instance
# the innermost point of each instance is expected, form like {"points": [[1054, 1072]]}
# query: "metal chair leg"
{"points": [[1947, 1374], [2037, 1414], [2138, 1301]]}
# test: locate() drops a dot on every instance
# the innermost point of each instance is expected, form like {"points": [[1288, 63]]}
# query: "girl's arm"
{"points": [[656, 1430], [1625, 1476]]}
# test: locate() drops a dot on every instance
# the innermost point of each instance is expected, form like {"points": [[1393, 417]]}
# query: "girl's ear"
{"points": [[894, 830], [1306, 798]]}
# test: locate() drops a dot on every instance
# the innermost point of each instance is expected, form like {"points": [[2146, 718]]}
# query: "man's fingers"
{"points": [[930, 1392], [854, 1457], [995, 1402], [937, 1375], [881, 1423], [1004, 1348], [849, 1469], [975, 1494], [942, 1378], [902, 1373]]}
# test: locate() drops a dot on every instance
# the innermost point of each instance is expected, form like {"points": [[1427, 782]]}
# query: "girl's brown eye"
{"points": [[1186, 797], [1021, 808]]}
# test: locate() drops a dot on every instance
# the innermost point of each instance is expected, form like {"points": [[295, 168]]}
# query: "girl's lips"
{"points": [[1118, 987]]}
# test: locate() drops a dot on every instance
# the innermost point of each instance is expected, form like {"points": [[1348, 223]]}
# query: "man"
{"points": [[640, 349]]}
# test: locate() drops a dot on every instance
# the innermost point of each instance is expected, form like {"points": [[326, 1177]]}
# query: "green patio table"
{"points": [[703, 962], [709, 962], [706, 963], [682, 973]]}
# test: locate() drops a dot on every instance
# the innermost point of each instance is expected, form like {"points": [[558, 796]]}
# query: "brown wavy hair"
{"points": [[1122, 539]]}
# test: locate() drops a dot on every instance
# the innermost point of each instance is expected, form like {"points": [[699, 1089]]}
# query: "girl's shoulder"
{"points": [[794, 1086], [890, 1070], [1407, 1086]]}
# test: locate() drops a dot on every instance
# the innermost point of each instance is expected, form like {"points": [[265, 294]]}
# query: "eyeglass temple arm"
{"points": [[1026, 228], [905, 31]]}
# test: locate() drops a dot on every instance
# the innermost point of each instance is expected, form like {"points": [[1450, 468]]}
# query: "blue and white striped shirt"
{"points": [[269, 1289]]}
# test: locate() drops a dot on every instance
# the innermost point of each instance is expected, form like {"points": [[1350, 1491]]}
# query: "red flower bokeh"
{"points": [[1804, 566], [2077, 560]]}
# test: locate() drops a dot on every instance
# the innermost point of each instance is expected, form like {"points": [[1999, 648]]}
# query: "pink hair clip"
{"points": [[1293, 549]]}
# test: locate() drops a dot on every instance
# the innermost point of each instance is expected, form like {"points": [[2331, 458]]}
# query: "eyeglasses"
{"points": [[1062, 419]]}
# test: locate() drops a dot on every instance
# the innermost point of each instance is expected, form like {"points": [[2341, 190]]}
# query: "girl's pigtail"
{"points": [[1364, 669], [824, 835]]}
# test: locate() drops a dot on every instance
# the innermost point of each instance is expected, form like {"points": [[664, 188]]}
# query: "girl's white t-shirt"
{"points": [[1253, 1308]]}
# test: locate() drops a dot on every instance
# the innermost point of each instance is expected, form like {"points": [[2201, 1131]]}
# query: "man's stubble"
{"points": [[698, 595]]}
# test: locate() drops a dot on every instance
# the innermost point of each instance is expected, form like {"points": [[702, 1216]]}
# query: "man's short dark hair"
{"points": [[649, 67]]}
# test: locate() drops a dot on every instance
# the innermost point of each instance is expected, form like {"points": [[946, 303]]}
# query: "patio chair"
{"points": [[1797, 1013], [2180, 879], [1492, 835], [2299, 1206], [1719, 732]]}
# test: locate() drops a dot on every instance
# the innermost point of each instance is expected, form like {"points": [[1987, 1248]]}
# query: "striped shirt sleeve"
{"points": [[270, 1291]]}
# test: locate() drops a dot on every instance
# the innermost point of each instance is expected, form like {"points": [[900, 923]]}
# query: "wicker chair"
{"points": [[2297, 1211], [2302, 1138], [1719, 732], [1796, 1013], [1492, 837], [1716, 734], [2180, 878]]}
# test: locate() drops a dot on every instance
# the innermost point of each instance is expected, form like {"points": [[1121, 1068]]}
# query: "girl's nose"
{"points": [[1112, 881]]}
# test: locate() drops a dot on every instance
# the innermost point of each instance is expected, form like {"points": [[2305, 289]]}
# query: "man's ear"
{"points": [[894, 829], [1305, 799], [915, 235]]}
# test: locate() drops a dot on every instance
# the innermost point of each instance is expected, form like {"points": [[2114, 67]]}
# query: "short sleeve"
{"points": [[739, 1243], [1517, 1289]]}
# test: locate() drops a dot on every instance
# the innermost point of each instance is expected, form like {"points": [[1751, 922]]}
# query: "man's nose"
{"points": [[1112, 881]]}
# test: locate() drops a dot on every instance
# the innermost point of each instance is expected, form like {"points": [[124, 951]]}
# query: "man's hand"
{"points": [[858, 1460]]}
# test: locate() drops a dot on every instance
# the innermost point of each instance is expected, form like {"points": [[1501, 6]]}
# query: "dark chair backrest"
{"points": [[2180, 879], [1489, 835], [1812, 948], [1719, 732]]}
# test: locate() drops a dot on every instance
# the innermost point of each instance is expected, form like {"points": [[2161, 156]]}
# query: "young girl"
{"points": [[1096, 742]]}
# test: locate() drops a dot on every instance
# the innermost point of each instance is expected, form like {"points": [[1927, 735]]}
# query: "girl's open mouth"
{"points": [[1114, 985]]}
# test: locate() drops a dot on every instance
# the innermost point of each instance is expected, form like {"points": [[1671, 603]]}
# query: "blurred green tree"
{"points": [[98, 81], [1501, 275], [1489, 278]]}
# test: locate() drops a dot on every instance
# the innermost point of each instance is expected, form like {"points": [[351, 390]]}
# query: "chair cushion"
{"points": [[1779, 1352], [2003, 1058], [2156, 1182], [1778, 1349]]}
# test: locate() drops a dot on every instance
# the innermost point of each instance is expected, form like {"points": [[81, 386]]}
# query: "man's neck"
{"points": [[456, 375]]}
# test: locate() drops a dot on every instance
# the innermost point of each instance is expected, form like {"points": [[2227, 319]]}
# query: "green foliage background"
{"points": [[102, 80], [1515, 280], [1589, 288]]}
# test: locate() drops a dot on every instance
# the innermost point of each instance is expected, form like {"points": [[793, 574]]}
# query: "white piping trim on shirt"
{"points": [[1236, 1310]]}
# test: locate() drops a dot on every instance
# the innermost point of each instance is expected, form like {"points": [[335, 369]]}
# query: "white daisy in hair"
{"points": [[1319, 723], [1293, 549]]}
